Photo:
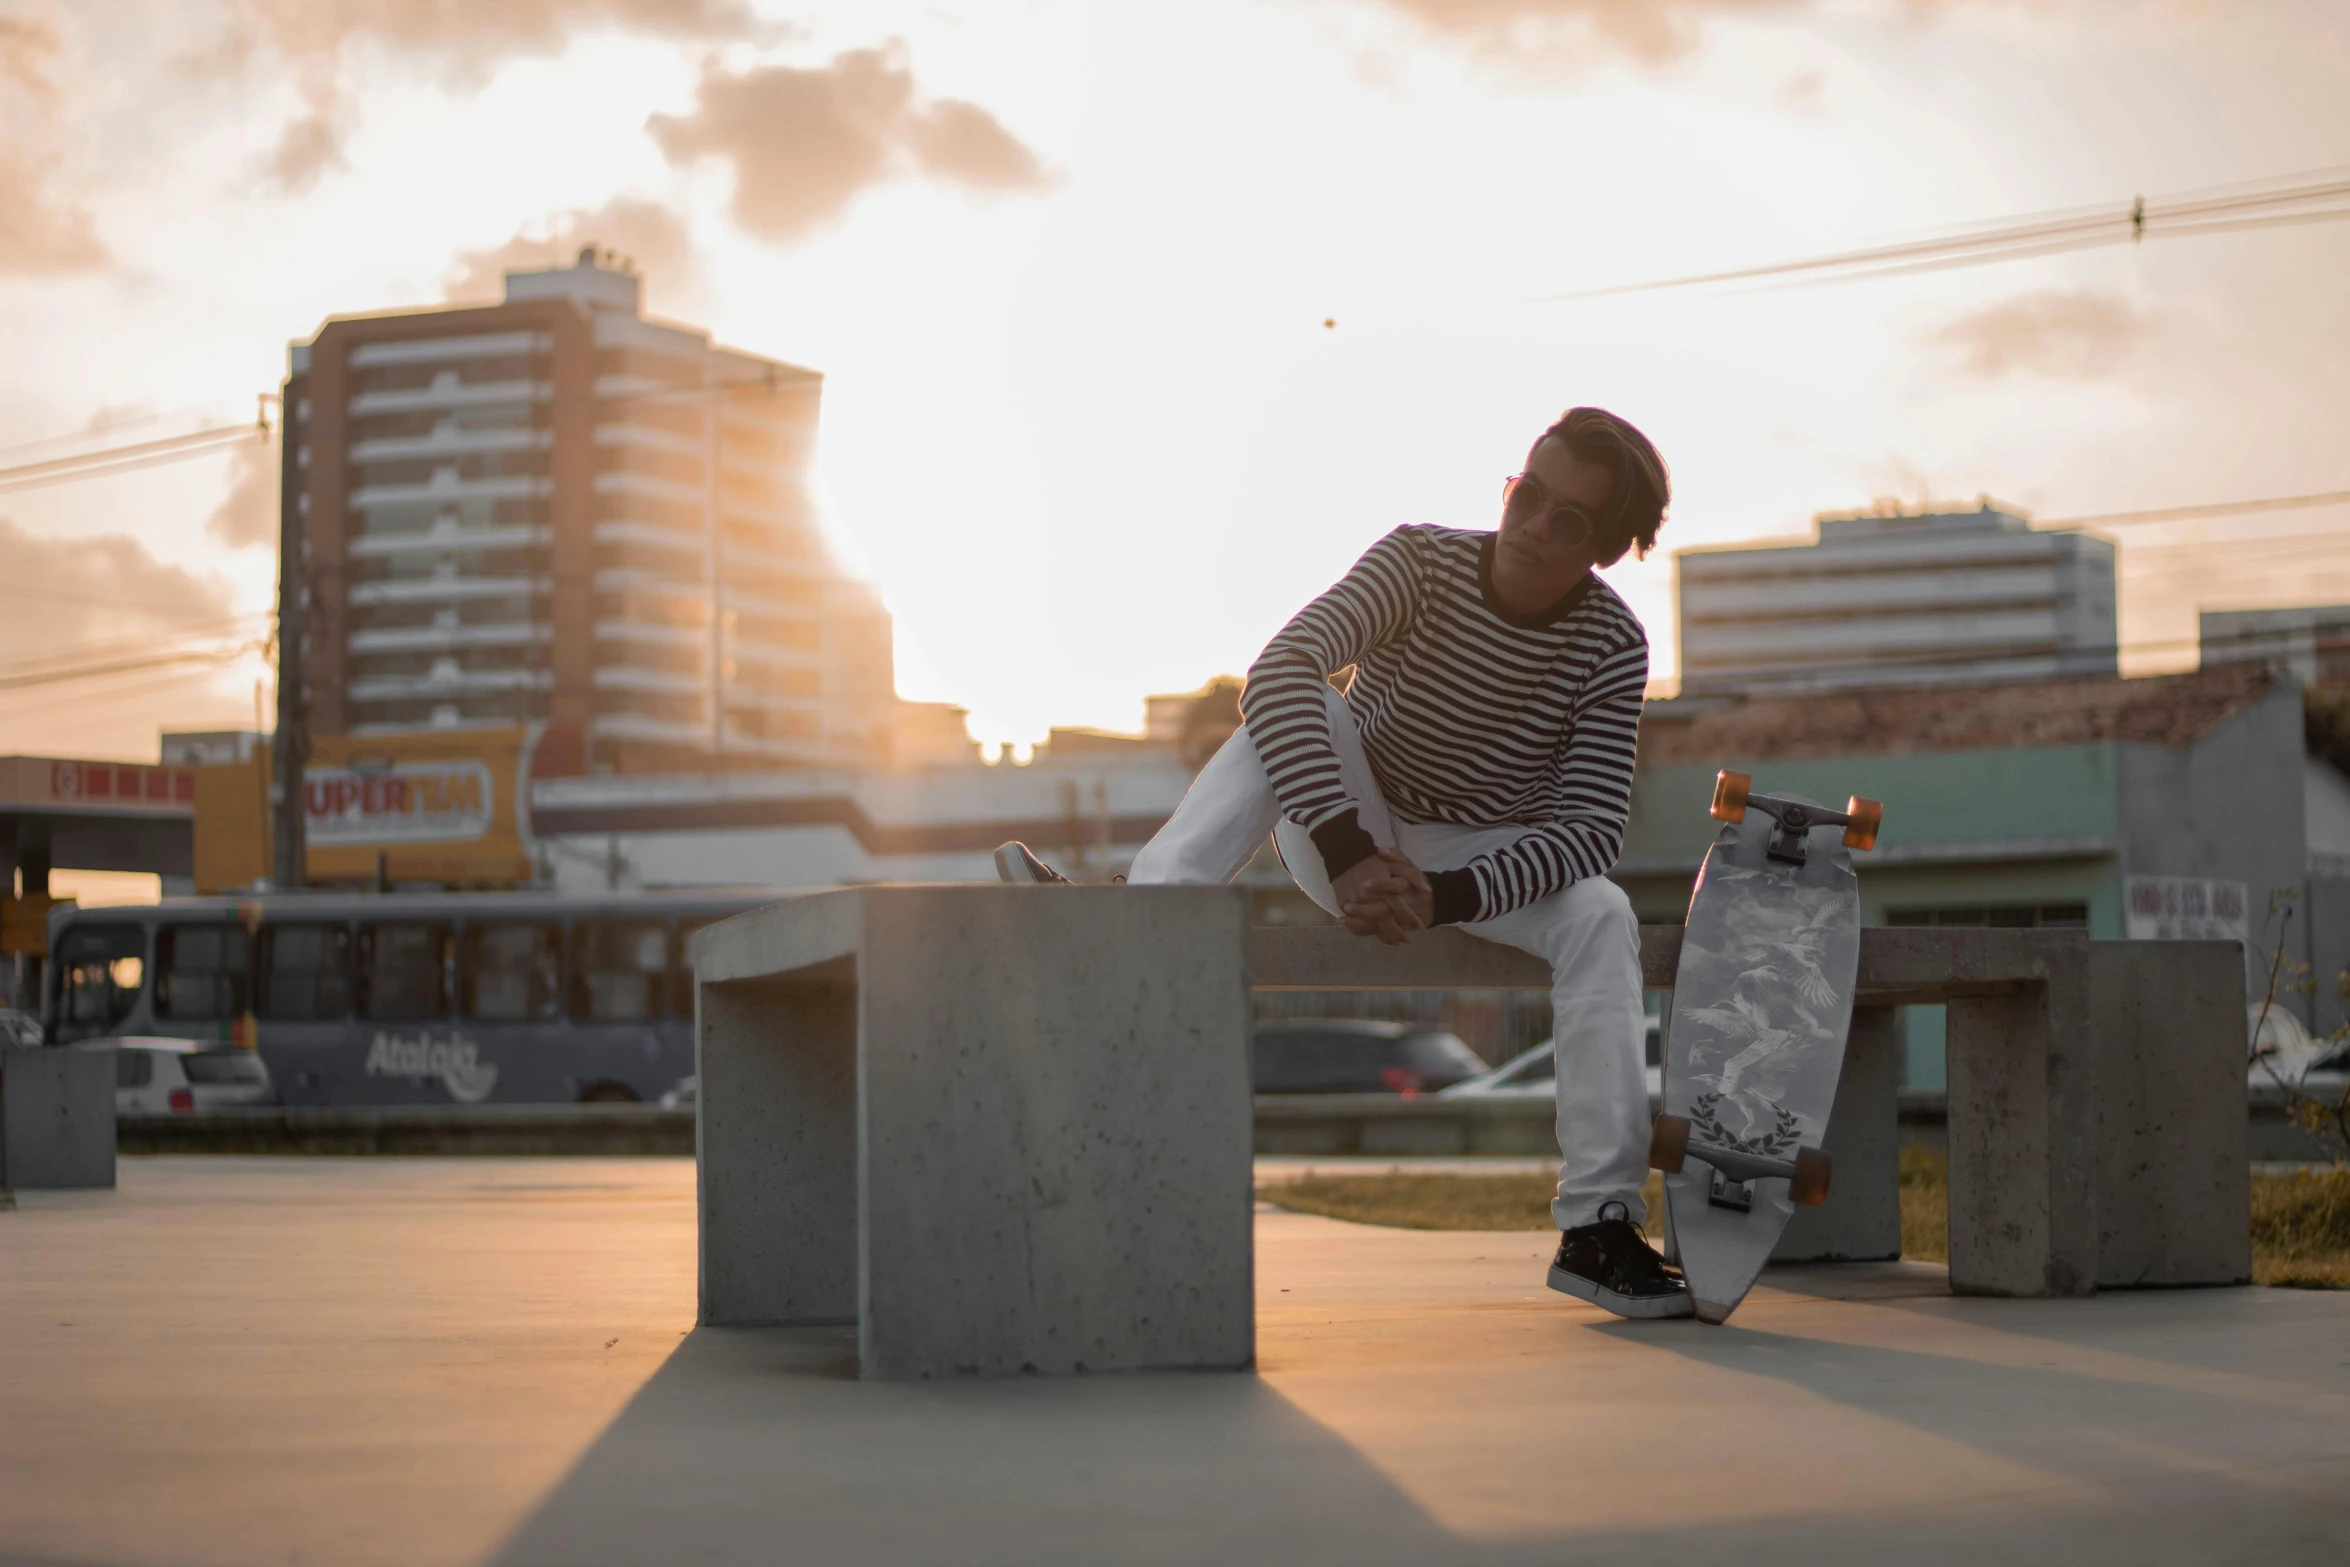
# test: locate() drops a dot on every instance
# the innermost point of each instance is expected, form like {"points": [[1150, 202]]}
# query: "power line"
{"points": [[2321, 197], [2115, 519], [112, 460], [131, 665]]}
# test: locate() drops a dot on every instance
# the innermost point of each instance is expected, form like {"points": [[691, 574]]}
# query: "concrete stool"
{"points": [[56, 1119], [1001, 1129]]}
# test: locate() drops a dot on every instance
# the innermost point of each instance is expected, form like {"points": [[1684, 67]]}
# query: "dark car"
{"points": [[1337, 1055]]}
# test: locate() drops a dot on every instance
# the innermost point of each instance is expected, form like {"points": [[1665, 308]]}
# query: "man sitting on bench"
{"points": [[1477, 773]]}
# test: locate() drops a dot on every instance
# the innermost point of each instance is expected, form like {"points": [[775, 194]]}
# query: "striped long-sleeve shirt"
{"points": [[1469, 715]]}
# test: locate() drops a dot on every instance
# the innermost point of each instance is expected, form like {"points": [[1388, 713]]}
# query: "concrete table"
{"points": [[1001, 1129]]}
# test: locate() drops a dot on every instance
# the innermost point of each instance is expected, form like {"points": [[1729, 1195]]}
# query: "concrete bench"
{"points": [[2097, 1132], [1008, 1130]]}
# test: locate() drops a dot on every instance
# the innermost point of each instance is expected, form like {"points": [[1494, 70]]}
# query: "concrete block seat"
{"points": [[1001, 1129], [2097, 1125]]}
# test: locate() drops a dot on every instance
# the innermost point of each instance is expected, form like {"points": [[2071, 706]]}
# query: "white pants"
{"points": [[1587, 934]]}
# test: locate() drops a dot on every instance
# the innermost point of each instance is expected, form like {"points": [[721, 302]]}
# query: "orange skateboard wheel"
{"points": [[1730, 795], [1810, 1185], [1668, 1144], [1867, 816]]}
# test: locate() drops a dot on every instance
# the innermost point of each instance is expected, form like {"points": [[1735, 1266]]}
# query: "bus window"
{"points": [[403, 971], [305, 973], [511, 973], [99, 973], [202, 971], [617, 969]]}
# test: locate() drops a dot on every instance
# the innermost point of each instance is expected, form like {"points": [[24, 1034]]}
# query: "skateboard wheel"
{"points": [[1668, 1144], [1730, 795], [1810, 1185], [1861, 831]]}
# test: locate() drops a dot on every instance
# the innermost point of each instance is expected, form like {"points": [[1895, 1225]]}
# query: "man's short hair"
{"points": [[1643, 487]]}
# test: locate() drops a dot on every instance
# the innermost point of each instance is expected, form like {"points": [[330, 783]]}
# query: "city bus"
{"points": [[401, 998]]}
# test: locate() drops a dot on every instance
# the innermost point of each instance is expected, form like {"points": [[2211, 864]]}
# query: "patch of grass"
{"points": [[1437, 1202], [2301, 1229], [1925, 1204], [2300, 1219]]}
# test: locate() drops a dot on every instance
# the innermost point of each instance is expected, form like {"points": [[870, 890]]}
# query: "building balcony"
{"points": [[432, 639], [653, 632], [617, 483], [446, 486], [637, 726], [452, 393], [431, 590], [449, 443], [447, 680], [623, 677], [653, 535], [444, 536], [626, 434], [436, 350]]}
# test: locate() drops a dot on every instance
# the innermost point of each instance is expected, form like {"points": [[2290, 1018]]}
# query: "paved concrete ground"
{"points": [[452, 1361]]}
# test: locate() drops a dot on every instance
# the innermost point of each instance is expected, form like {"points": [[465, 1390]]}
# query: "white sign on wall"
{"points": [[2185, 908]]}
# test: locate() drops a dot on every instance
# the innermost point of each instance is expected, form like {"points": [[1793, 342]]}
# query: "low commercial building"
{"points": [[2178, 805]]}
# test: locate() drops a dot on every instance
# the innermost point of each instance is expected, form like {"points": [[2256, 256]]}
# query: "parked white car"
{"points": [[2284, 1054], [1533, 1074], [154, 1076]]}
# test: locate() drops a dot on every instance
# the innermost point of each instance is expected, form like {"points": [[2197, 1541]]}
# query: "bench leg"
{"points": [[1861, 1220], [2023, 1192], [776, 1146]]}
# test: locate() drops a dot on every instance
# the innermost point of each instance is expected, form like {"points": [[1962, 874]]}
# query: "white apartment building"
{"points": [[554, 510], [1898, 600]]}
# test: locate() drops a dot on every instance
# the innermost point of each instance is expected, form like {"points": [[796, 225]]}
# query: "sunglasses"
{"points": [[1524, 498]]}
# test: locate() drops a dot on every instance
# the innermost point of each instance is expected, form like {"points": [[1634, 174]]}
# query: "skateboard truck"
{"points": [[1795, 819], [1735, 1170]]}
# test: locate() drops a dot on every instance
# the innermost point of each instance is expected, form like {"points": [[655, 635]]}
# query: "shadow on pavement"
{"points": [[761, 1446]]}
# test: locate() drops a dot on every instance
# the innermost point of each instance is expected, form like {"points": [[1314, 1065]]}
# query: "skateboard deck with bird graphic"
{"points": [[1761, 1007]]}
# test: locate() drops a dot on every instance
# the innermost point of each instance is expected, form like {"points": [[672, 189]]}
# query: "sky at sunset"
{"points": [[1065, 267]]}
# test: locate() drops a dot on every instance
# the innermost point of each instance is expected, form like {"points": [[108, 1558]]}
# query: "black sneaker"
{"points": [[1611, 1265], [1014, 863]]}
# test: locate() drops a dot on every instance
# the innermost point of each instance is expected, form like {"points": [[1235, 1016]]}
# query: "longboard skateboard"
{"points": [[1761, 1007]]}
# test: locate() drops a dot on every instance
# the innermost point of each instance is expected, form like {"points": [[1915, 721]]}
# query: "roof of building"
{"points": [[2168, 710]]}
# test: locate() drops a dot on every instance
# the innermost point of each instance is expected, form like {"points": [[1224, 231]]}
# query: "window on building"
{"points": [[100, 973], [511, 972], [305, 973], [203, 971], [618, 970], [403, 971]]}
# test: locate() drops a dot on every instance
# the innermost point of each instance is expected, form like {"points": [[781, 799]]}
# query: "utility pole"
{"points": [[290, 750]]}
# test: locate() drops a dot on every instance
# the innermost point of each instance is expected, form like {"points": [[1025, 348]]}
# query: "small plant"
{"points": [[2326, 1122]]}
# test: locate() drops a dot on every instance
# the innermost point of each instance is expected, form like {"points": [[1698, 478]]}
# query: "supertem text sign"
{"points": [[400, 802]]}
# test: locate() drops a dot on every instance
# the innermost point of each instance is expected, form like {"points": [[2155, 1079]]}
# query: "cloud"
{"points": [[654, 239], [1652, 32], [39, 234], [88, 592], [2055, 334], [806, 142], [247, 514], [466, 42]]}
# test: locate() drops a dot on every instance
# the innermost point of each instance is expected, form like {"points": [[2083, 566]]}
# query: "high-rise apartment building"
{"points": [[552, 509], [1898, 600]]}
